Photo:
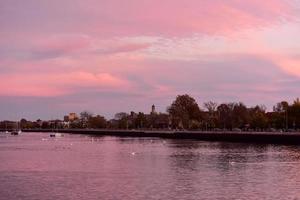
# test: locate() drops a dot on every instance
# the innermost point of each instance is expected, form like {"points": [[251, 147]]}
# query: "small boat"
{"points": [[15, 132], [56, 135]]}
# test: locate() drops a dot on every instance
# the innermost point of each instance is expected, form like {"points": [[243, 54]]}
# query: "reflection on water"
{"points": [[35, 166]]}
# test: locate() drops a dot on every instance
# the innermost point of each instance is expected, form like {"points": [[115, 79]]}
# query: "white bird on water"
{"points": [[231, 162]]}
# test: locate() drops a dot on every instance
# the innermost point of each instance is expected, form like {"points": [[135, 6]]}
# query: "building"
{"points": [[66, 118], [153, 111], [73, 117], [158, 120]]}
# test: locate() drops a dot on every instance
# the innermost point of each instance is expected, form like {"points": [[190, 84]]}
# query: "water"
{"points": [[35, 166]]}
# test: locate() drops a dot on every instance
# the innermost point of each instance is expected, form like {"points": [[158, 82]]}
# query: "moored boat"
{"points": [[15, 132], [56, 135]]}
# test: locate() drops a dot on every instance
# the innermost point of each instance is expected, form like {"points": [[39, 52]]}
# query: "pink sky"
{"points": [[105, 56]]}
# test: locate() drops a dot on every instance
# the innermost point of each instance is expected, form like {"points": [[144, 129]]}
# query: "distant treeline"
{"points": [[184, 113]]}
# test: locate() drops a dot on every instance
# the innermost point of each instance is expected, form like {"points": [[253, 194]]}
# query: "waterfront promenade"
{"points": [[231, 136]]}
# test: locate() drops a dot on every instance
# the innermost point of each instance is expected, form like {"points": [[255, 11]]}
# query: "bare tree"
{"points": [[211, 106]]}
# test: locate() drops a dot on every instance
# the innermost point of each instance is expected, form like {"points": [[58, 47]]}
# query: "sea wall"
{"points": [[252, 137]]}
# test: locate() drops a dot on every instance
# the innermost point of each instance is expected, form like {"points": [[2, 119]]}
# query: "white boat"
{"points": [[56, 134], [17, 131]]}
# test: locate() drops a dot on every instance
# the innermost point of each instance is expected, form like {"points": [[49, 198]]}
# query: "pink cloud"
{"points": [[176, 17], [86, 79], [57, 84], [121, 48], [290, 64], [106, 18], [66, 42], [59, 45]]}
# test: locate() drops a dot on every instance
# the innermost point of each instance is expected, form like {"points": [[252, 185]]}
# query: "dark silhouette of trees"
{"points": [[46, 125], [237, 115], [97, 122], [225, 116], [211, 118], [280, 116], [258, 118], [184, 111], [240, 115], [25, 124], [211, 106], [294, 114], [85, 118], [141, 120], [122, 119]]}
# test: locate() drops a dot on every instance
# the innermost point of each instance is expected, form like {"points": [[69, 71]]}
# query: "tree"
{"points": [[258, 117], [141, 120], [225, 115], [294, 114], [240, 115], [233, 115], [85, 116], [183, 110], [97, 122], [45, 125], [282, 108], [211, 106], [122, 118], [23, 123], [211, 118], [121, 115]]}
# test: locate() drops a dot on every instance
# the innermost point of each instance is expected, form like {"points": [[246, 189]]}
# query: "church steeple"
{"points": [[153, 110]]}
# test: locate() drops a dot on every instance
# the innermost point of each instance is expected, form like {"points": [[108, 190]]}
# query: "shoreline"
{"points": [[228, 136]]}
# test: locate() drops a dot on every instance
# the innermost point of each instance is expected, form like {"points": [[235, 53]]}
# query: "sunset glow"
{"points": [[112, 55]]}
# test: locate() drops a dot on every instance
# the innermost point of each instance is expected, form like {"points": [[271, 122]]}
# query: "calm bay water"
{"points": [[35, 166]]}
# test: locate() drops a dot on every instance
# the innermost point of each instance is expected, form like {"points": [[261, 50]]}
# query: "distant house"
{"points": [[153, 120], [66, 118], [158, 120], [56, 124], [39, 122], [73, 117]]}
